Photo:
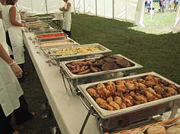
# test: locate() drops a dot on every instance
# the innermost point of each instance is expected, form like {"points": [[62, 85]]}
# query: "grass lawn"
{"points": [[159, 53], [159, 22]]}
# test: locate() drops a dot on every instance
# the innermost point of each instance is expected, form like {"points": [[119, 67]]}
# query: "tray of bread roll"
{"points": [[171, 126], [144, 94], [101, 65]]}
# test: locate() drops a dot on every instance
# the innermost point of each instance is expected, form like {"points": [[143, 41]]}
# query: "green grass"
{"points": [[159, 23], [159, 53]]}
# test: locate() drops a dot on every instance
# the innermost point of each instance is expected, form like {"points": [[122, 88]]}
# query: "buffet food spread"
{"points": [[57, 43], [171, 126], [75, 50], [103, 63], [120, 94], [93, 74], [50, 35]]}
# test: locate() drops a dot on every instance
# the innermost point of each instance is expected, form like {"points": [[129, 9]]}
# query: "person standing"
{"points": [[67, 17], [176, 4], [170, 5], [10, 90], [11, 95], [2, 32], [13, 27]]}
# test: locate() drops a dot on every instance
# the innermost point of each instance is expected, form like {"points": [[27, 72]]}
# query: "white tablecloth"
{"points": [[68, 110]]}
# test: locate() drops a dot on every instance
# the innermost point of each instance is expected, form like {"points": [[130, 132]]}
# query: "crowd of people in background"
{"points": [[164, 5], [168, 5]]}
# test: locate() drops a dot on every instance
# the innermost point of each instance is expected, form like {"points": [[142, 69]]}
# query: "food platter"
{"points": [[30, 19], [51, 36], [58, 43], [46, 31], [134, 66], [38, 27], [82, 50], [105, 114]]}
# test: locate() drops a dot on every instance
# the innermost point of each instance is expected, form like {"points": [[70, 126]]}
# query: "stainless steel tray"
{"points": [[58, 43], [52, 38], [75, 76], [43, 27], [46, 32], [104, 114], [30, 19], [104, 50]]}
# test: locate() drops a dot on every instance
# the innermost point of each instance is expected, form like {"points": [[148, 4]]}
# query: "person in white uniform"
{"points": [[67, 17], [11, 95], [2, 32], [13, 27], [10, 90]]}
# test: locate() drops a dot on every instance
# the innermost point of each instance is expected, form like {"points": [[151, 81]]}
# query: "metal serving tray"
{"points": [[104, 114], [39, 28], [46, 18], [52, 38], [46, 31], [58, 43], [75, 76], [30, 19], [104, 51]]}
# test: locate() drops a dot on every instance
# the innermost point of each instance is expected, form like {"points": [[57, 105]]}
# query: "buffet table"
{"points": [[68, 110]]}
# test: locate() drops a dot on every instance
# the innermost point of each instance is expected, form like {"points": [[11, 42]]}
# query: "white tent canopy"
{"points": [[130, 10]]}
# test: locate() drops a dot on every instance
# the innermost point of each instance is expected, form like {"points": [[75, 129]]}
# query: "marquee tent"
{"points": [[130, 10]]}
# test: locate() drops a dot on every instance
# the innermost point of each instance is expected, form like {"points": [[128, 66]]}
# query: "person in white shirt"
{"points": [[2, 32], [10, 91], [13, 27], [67, 17], [11, 94]]}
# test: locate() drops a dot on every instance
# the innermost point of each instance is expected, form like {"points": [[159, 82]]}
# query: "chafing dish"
{"points": [[109, 120], [46, 31], [49, 51], [58, 43], [38, 27], [51, 36], [73, 51], [76, 79], [30, 19], [46, 18]]}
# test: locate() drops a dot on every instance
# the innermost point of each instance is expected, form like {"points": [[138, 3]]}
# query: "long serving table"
{"points": [[68, 110]]}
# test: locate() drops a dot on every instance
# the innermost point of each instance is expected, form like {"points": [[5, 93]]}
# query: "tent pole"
{"points": [[74, 6], [113, 9], [125, 10], [84, 6], [96, 6], [32, 6], [46, 7]]}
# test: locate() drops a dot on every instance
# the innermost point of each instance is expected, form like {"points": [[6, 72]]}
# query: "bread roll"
{"points": [[156, 130], [136, 132], [173, 130]]}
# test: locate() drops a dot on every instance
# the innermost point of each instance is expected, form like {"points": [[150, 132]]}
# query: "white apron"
{"points": [[67, 19], [2, 34], [10, 89], [15, 34], [3, 37]]}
